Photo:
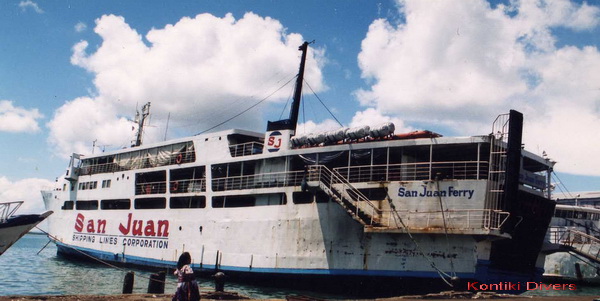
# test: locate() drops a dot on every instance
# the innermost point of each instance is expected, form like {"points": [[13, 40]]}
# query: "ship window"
{"points": [[377, 194], [188, 202], [187, 180], [302, 197], [106, 183], [321, 197], [307, 197], [68, 205], [86, 205], [270, 199], [233, 201], [150, 203], [150, 182], [117, 204]]}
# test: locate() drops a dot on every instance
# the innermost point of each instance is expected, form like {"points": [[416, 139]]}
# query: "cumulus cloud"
{"points": [[26, 190], [460, 63], [201, 70], [28, 4], [80, 27], [17, 119]]}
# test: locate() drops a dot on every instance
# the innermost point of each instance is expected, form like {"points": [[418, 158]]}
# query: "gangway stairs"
{"points": [[341, 191], [564, 239]]}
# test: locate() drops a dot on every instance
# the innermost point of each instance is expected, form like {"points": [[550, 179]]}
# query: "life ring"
{"points": [[179, 159], [174, 185]]}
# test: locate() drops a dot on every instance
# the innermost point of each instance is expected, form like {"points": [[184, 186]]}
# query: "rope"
{"points": [[437, 182], [317, 96], [248, 109], [441, 273], [54, 239]]}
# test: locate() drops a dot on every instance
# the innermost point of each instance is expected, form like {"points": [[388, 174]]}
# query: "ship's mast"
{"points": [[290, 123], [140, 121]]}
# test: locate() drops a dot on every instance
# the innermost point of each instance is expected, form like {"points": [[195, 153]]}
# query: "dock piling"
{"points": [[128, 283], [156, 284], [219, 281]]}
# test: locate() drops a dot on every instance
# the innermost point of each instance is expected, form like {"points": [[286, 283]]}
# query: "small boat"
{"points": [[13, 227]]}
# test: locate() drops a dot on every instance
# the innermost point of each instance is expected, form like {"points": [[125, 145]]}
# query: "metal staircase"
{"points": [[564, 239], [358, 206]]}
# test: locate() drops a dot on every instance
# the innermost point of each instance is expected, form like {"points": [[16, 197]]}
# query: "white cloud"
{"points": [[80, 27], [372, 117], [310, 126], [26, 190], [24, 5], [460, 63], [17, 119], [79, 122], [201, 70]]}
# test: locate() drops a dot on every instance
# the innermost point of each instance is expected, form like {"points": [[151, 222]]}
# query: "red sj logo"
{"points": [[274, 141]]}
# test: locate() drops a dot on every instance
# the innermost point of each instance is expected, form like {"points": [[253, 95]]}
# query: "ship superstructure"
{"points": [[354, 204]]}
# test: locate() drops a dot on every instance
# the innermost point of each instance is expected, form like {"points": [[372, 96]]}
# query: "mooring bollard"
{"points": [[219, 281], [128, 283], [156, 285]]}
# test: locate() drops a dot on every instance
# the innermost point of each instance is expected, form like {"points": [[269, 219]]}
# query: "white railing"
{"points": [[139, 163], [423, 171], [150, 188], [455, 219], [8, 209], [187, 185], [245, 149], [581, 242], [264, 180], [330, 181]]}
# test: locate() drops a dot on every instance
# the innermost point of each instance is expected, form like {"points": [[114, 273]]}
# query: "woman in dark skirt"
{"points": [[187, 287]]}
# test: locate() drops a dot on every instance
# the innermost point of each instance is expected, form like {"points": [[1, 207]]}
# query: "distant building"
{"points": [[584, 198]]}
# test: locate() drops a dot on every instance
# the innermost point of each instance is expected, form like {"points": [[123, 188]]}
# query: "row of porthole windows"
{"points": [[189, 202]]}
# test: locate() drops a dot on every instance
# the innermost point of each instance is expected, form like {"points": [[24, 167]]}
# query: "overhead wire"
{"points": [[321, 101], [247, 109]]}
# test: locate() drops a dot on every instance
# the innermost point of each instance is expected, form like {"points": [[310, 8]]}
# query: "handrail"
{"points": [[8, 209], [150, 188], [577, 240], [262, 180], [245, 149], [138, 163], [420, 171], [461, 219], [329, 177]]}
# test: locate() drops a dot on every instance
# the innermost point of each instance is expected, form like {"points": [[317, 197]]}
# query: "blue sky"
{"points": [[72, 72]]}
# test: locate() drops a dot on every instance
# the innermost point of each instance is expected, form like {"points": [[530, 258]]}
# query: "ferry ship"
{"points": [[360, 208], [574, 240]]}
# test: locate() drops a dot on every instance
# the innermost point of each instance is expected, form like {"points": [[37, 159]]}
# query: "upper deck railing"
{"points": [[138, 163], [264, 180], [245, 149], [425, 171], [8, 209]]}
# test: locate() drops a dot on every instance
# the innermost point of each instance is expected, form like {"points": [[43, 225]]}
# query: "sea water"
{"points": [[27, 268]]}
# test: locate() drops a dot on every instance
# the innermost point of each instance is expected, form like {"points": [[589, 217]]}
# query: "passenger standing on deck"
{"points": [[187, 287]]}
